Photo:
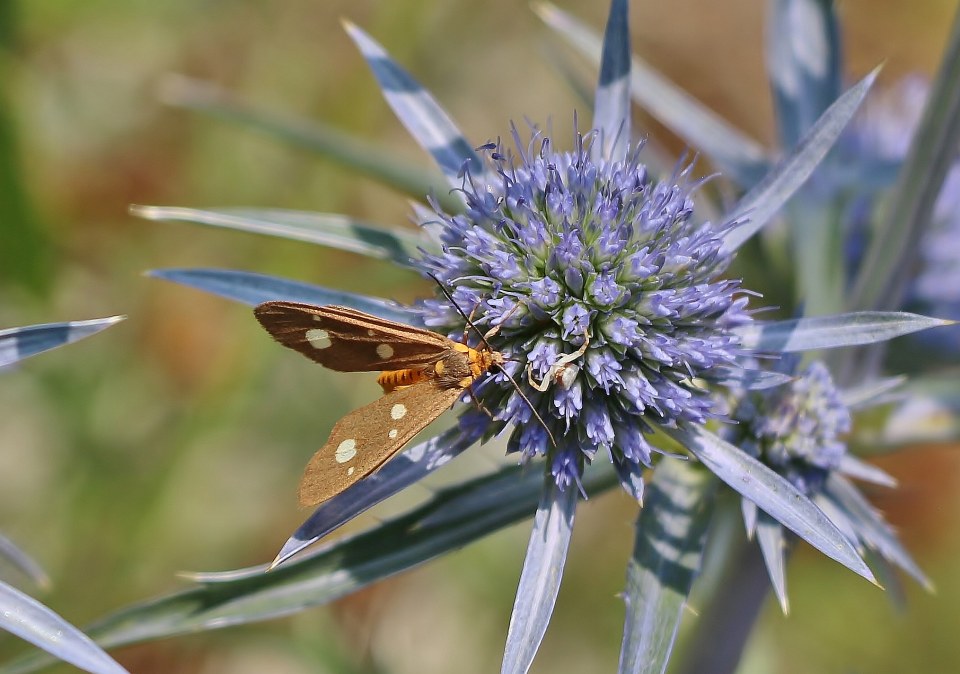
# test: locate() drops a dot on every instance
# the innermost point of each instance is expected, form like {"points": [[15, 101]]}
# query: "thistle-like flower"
{"points": [[799, 430], [606, 290]]}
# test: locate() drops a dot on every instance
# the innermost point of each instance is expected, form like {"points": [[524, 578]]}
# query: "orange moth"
{"points": [[422, 374]]}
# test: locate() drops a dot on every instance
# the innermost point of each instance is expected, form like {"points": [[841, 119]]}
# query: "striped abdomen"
{"points": [[394, 379]]}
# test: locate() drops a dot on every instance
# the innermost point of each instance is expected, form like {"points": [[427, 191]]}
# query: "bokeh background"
{"points": [[175, 440]]}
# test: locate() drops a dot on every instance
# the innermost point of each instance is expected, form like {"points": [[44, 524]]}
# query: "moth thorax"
{"points": [[458, 368]]}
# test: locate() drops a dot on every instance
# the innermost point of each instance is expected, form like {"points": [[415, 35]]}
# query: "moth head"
{"points": [[492, 360]]}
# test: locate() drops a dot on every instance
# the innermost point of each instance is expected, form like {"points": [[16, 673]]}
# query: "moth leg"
{"points": [[480, 405], [495, 329], [556, 368]]}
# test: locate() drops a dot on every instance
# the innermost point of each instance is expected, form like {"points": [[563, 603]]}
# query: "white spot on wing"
{"points": [[370, 333], [398, 411], [385, 351], [350, 471], [346, 450], [319, 339], [393, 433]]}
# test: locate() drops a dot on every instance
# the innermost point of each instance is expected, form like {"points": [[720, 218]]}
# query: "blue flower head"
{"points": [[600, 280], [797, 428]]}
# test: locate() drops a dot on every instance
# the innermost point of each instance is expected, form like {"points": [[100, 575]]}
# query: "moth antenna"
{"points": [[466, 327], [483, 339], [516, 386]]}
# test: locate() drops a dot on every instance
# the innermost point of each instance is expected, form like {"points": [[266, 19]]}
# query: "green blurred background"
{"points": [[175, 440]]}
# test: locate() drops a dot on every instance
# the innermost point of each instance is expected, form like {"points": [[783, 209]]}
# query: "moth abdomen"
{"points": [[391, 380]]}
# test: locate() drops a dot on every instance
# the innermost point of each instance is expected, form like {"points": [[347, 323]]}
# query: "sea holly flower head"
{"points": [[599, 262], [797, 428]]}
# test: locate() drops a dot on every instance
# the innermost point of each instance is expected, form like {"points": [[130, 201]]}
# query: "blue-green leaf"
{"points": [[670, 535], [764, 200], [773, 547], [839, 518], [828, 332], [252, 289], [750, 515], [803, 57], [325, 229], [871, 529], [32, 621], [398, 474], [853, 467], [337, 569], [930, 412], [889, 580], [427, 122], [746, 379], [631, 478], [23, 562], [541, 575], [19, 343], [772, 493], [362, 156], [730, 149], [803, 62], [611, 111], [874, 392]]}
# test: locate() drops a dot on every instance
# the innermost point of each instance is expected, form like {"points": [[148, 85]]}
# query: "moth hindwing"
{"points": [[422, 375]]}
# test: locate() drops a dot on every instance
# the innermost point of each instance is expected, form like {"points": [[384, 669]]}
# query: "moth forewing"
{"points": [[366, 438], [422, 375], [348, 340]]}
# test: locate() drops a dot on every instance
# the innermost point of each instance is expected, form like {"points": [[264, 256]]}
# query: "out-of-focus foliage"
{"points": [[177, 445], [21, 614]]}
